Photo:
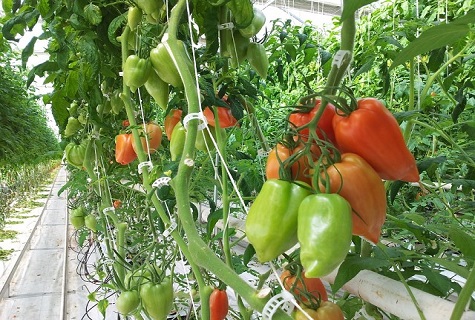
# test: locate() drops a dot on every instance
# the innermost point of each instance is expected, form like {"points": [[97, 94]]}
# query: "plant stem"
{"points": [[464, 296], [200, 252]]}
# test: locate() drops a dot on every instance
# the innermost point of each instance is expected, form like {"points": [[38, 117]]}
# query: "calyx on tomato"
{"points": [[356, 181], [372, 132], [271, 224], [279, 162], [324, 130], [136, 71], [324, 233], [124, 151], [303, 288], [225, 117]]}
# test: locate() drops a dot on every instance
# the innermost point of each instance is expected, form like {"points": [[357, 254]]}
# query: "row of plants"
{"points": [[160, 113], [28, 146]]}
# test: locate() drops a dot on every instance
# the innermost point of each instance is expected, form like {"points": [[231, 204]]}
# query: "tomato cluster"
{"points": [[326, 184]]}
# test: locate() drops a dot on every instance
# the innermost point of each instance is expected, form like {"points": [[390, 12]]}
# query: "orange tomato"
{"points": [[152, 138], [124, 151]]}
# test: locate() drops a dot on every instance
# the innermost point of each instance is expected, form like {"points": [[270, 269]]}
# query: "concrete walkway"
{"points": [[41, 281]]}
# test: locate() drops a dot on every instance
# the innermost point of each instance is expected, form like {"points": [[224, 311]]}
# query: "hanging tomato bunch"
{"points": [[344, 153]]}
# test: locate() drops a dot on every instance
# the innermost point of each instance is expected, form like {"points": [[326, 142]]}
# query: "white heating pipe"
{"points": [[392, 297]]}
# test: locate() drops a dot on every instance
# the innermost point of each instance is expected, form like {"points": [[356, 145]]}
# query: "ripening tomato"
{"points": [[324, 124], [218, 304], [117, 204], [124, 151], [304, 287], [151, 138], [172, 118], [125, 123], [327, 311], [372, 132], [300, 169], [226, 118], [356, 181]]}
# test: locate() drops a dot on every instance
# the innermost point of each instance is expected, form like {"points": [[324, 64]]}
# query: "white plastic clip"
{"points": [[227, 25], [195, 116], [161, 182], [147, 164], [339, 57], [168, 231], [262, 153], [283, 301], [105, 210]]}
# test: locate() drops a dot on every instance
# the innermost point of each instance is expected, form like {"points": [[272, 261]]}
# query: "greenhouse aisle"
{"points": [[39, 288]]}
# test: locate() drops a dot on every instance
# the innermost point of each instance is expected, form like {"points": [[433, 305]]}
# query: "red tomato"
{"points": [[304, 287], [372, 132], [117, 204], [356, 181], [300, 169], [124, 151], [125, 123], [171, 120], [218, 304], [324, 124], [153, 137], [327, 311], [226, 118]]}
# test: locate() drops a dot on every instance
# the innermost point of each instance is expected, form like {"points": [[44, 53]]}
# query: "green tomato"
{"points": [[177, 141], [127, 302], [271, 224], [72, 127], [90, 222], [257, 57], [136, 71], [157, 298], [165, 66], [75, 154], [256, 25], [324, 233]]}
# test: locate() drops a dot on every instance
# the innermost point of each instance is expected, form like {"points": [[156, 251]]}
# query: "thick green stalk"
{"points": [[201, 253], [147, 184], [464, 296]]}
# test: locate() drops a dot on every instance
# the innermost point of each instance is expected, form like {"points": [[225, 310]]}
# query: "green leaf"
{"points": [[7, 6], [365, 68], [213, 218], [438, 281], [28, 51], [102, 306], [350, 7], [463, 241], [352, 266], [242, 12], [248, 254], [431, 39]]}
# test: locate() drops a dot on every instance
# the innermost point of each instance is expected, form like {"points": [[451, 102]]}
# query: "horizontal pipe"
{"points": [[391, 296]]}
